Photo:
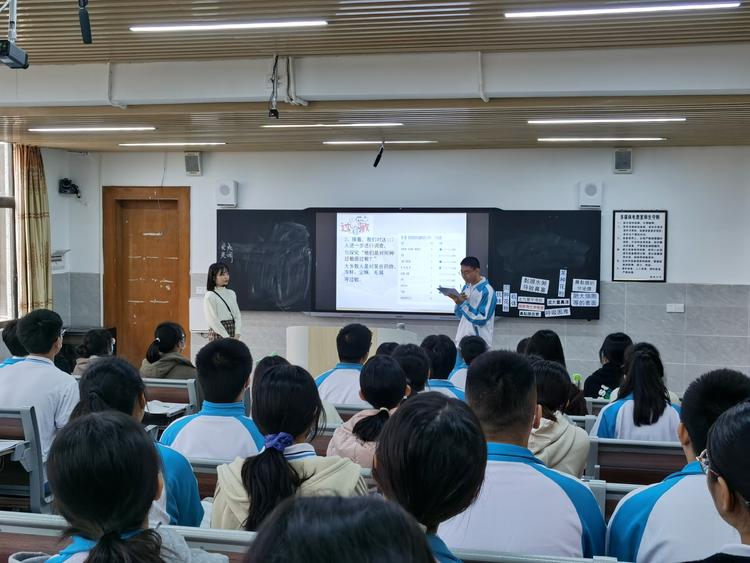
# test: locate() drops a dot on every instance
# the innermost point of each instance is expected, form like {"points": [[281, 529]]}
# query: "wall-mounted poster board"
{"points": [[639, 246]]}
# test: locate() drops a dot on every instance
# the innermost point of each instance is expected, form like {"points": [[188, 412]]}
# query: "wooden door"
{"points": [[146, 264]]}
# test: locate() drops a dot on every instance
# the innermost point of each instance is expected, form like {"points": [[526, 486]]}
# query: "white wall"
{"points": [[706, 190]]}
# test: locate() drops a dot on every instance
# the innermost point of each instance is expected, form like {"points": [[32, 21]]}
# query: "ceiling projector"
{"points": [[11, 55]]}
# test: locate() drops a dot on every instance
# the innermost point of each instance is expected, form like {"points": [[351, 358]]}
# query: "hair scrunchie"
{"points": [[279, 441]]}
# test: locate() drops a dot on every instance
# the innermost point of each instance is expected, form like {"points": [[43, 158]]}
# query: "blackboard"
{"points": [[270, 254], [539, 244]]}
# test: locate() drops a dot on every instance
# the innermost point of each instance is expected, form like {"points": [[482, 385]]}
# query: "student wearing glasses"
{"points": [[35, 381], [164, 359], [727, 467]]}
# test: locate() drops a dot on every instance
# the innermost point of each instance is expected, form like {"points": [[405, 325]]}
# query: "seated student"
{"points": [[386, 348], [644, 412], [35, 381], [546, 344], [286, 407], [164, 359], [557, 442], [113, 384], [442, 353], [340, 385], [11, 341], [522, 344], [416, 365], [469, 348], [383, 385], [601, 383], [673, 397], [675, 520], [544, 512], [339, 530], [430, 459], [96, 343], [727, 466], [104, 472], [220, 430]]}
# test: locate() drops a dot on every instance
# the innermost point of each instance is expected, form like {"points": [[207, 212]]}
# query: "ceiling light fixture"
{"points": [[87, 129], [196, 144], [156, 28], [329, 125], [617, 10], [598, 139], [587, 121], [378, 142]]}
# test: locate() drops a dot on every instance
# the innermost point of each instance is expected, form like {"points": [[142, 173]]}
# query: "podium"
{"points": [[314, 347]]}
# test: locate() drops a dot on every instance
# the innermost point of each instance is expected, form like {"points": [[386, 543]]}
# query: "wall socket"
{"points": [[675, 307]]}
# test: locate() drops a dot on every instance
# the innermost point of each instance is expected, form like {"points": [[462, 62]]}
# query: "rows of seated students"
{"points": [[489, 462]]}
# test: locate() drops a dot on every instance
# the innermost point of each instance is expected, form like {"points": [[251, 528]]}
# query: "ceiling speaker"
{"points": [[226, 193], [590, 195], [623, 161]]}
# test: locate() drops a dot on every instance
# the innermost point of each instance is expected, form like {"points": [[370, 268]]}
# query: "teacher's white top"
{"points": [[216, 311], [477, 314]]}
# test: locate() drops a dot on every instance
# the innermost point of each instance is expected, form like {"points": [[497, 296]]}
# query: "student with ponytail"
{"points": [[107, 515], [164, 359], [286, 408], [382, 384], [112, 384], [644, 412], [96, 343]]}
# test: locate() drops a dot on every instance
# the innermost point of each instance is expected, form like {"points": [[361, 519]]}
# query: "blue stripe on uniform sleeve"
{"points": [[323, 376], [592, 521], [254, 432], [606, 423], [170, 434], [183, 501]]}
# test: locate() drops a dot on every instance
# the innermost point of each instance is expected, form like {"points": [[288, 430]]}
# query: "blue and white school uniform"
{"points": [[477, 314], [517, 489], [10, 361], [180, 499], [219, 431], [35, 381], [340, 385], [674, 520], [79, 548], [445, 387], [440, 550], [458, 375], [616, 421]]}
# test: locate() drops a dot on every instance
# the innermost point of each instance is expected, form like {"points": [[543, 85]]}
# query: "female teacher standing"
{"points": [[220, 305]]}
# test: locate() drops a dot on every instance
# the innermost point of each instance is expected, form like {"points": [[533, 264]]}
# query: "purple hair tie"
{"points": [[279, 441]]}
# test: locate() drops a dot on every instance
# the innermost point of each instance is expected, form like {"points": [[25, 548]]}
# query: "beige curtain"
{"points": [[33, 253]]}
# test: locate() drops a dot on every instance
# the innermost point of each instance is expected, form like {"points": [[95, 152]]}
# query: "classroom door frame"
{"points": [[111, 198]]}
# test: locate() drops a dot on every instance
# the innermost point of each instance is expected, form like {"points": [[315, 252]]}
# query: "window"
{"points": [[7, 238]]}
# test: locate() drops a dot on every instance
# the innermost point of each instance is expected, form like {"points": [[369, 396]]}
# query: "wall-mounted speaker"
{"points": [[193, 164], [590, 195], [623, 161], [226, 194]]}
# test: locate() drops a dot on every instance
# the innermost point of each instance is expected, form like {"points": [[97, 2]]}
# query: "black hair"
{"points": [[644, 379], [10, 338], [522, 344], [39, 330], [269, 362], [223, 366], [546, 344], [501, 390], [383, 384], [431, 458], [109, 384], [96, 342], [727, 450], [353, 342], [65, 359], [386, 348], [339, 530], [709, 396], [104, 472], [213, 271], [442, 352], [471, 347], [552, 387], [471, 262], [576, 402], [416, 365], [614, 346], [166, 338], [285, 399]]}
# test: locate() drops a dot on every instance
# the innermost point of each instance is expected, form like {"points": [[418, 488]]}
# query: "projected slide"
{"points": [[395, 261]]}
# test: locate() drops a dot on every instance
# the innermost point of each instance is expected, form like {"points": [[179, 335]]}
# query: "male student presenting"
{"points": [[475, 305]]}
